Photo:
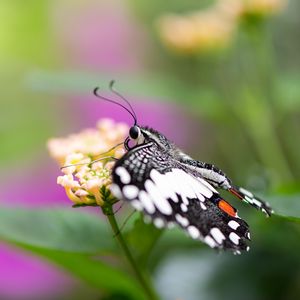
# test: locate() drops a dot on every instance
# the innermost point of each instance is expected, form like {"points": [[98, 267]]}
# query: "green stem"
{"points": [[149, 291]]}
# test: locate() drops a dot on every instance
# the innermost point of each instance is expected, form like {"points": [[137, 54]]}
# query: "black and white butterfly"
{"points": [[170, 187]]}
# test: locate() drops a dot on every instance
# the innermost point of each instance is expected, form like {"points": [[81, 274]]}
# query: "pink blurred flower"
{"points": [[99, 35], [24, 276]]}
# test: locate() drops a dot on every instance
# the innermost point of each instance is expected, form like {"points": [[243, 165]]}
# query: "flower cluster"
{"points": [[263, 7], [87, 160], [196, 32], [212, 28]]}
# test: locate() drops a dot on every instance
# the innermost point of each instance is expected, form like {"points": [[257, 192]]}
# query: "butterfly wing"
{"points": [[218, 179], [159, 186], [251, 199]]}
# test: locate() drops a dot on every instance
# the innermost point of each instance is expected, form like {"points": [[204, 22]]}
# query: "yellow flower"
{"points": [[213, 28], [85, 181], [263, 7], [201, 31]]}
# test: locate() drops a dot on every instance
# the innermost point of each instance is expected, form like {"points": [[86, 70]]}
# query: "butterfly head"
{"points": [[136, 135], [142, 135]]}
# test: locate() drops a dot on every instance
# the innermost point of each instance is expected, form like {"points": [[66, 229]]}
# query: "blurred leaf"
{"points": [[291, 188], [288, 92], [287, 206], [70, 239], [60, 229], [172, 240], [93, 271], [142, 238], [150, 243]]}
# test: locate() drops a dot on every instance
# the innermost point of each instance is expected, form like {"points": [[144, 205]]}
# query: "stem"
{"points": [[149, 291]]}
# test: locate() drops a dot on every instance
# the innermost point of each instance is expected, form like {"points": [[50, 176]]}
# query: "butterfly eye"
{"points": [[134, 132]]}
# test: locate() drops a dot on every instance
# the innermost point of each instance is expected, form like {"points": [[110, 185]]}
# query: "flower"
{"points": [[87, 160], [213, 28], [200, 31], [263, 7]]}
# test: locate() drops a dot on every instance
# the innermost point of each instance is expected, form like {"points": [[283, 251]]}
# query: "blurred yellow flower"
{"points": [[263, 7], [212, 28], [201, 31], [85, 183]]}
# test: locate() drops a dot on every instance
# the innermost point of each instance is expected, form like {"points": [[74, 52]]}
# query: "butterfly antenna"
{"points": [[95, 92], [113, 90], [87, 163]]}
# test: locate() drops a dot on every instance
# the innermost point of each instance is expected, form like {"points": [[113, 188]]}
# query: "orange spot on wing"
{"points": [[226, 207]]}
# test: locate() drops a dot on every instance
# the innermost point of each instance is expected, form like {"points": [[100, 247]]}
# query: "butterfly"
{"points": [[169, 187]]}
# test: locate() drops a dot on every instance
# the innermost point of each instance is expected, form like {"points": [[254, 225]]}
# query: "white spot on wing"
{"points": [[116, 191], [160, 202], [164, 185], [250, 200], [234, 238], [233, 224], [146, 202], [124, 175], [182, 220], [210, 241], [245, 192], [159, 223], [256, 202], [207, 185], [203, 206], [217, 235], [193, 231], [136, 204], [183, 207], [187, 186], [130, 191]]}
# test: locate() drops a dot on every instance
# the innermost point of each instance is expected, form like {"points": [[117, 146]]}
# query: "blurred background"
{"points": [[220, 78]]}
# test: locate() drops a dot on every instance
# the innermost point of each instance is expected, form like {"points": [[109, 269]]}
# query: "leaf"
{"points": [[72, 240], [286, 206], [59, 229], [92, 270], [142, 238], [288, 92], [150, 245]]}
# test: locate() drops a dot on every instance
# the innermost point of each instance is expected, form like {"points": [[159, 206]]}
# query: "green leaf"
{"points": [[92, 270], [142, 238], [61, 229], [73, 240], [288, 92], [150, 245], [286, 206]]}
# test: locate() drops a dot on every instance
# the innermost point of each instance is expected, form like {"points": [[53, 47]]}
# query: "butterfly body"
{"points": [[168, 186]]}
